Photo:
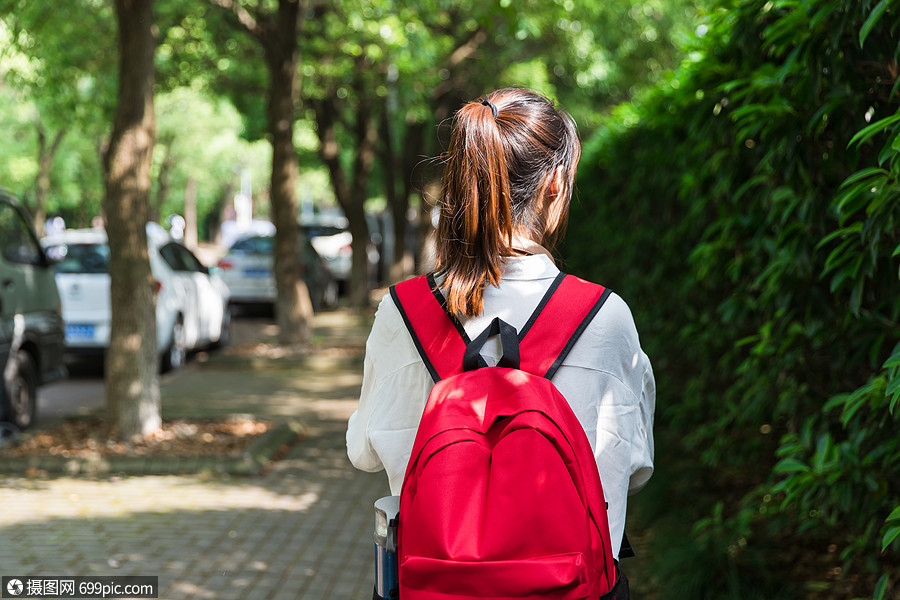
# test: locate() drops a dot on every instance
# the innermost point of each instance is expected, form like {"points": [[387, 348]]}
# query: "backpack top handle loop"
{"points": [[509, 339]]}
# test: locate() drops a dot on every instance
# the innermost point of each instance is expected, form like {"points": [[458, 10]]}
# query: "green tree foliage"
{"points": [[377, 77], [749, 209], [201, 48], [67, 87], [275, 28], [201, 51], [18, 166], [405, 69], [199, 144]]}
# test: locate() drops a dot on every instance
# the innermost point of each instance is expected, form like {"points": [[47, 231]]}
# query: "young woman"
{"points": [[508, 180]]}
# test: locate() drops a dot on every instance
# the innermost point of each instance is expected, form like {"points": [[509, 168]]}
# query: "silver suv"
{"points": [[31, 326]]}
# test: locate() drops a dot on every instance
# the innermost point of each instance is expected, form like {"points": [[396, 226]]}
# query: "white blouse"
{"points": [[606, 378]]}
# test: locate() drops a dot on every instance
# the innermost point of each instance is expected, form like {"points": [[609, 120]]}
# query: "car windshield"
{"points": [[322, 230], [81, 258], [254, 245]]}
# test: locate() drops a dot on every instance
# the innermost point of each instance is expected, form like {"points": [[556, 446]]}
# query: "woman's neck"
{"points": [[526, 246]]}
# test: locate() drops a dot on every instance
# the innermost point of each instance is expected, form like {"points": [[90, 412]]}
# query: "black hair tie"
{"points": [[492, 105]]}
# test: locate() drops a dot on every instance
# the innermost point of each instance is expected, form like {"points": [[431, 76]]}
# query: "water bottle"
{"points": [[387, 580]]}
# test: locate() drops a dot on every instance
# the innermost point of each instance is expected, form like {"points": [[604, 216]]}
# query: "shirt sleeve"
{"points": [[627, 397], [642, 454], [359, 448]]}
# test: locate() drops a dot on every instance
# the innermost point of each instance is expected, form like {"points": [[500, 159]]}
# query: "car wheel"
{"points": [[176, 354], [330, 295], [315, 297], [21, 397]]}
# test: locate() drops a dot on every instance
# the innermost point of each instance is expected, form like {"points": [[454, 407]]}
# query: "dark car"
{"points": [[31, 327]]}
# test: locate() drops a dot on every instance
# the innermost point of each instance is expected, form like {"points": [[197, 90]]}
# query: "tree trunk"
{"points": [[366, 135], [46, 153], [425, 231], [443, 103], [190, 214], [293, 307], [163, 179], [413, 152], [396, 202], [220, 214], [132, 387], [351, 198], [358, 292]]}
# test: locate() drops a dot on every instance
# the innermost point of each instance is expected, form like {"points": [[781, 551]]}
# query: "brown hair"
{"points": [[504, 151]]}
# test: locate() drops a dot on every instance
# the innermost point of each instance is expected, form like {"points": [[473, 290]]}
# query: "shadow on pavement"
{"points": [[304, 530], [301, 530]]}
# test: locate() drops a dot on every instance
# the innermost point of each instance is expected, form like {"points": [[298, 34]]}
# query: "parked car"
{"points": [[333, 245], [31, 325], [192, 302], [247, 270], [333, 242]]}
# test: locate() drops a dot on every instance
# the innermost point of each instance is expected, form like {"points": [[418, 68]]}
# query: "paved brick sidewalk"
{"points": [[302, 530]]}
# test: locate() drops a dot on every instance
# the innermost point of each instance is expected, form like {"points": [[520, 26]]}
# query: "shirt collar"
{"points": [[536, 266]]}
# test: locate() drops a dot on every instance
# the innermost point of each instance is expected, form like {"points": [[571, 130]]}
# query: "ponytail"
{"points": [[503, 151], [475, 228]]}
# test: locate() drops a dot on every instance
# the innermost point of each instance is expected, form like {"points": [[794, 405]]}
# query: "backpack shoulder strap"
{"points": [[564, 313], [550, 333], [439, 338]]}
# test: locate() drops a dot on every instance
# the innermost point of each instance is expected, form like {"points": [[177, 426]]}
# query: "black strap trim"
{"points": [[443, 302], [459, 327], [612, 593], [412, 332], [541, 305], [578, 331]]}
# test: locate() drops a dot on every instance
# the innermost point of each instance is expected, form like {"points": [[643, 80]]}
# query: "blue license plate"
{"points": [[257, 273], [79, 332]]}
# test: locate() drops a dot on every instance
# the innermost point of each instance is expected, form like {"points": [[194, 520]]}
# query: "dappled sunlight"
{"points": [[133, 342], [288, 392], [134, 390], [120, 497], [304, 527]]}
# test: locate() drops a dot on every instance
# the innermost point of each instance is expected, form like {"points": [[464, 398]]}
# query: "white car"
{"points": [[191, 306]]}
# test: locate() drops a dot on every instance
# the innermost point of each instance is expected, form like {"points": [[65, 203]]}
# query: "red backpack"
{"points": [[501, 498]]}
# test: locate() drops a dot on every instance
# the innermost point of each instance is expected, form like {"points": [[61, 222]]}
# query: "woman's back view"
{"points": [[508, 180]]}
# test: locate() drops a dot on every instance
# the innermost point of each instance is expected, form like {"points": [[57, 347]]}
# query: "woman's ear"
{"points": [[555, 191], [557, 183]]}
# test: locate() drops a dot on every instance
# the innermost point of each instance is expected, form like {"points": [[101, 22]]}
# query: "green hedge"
{"points": [[748, 211]]}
